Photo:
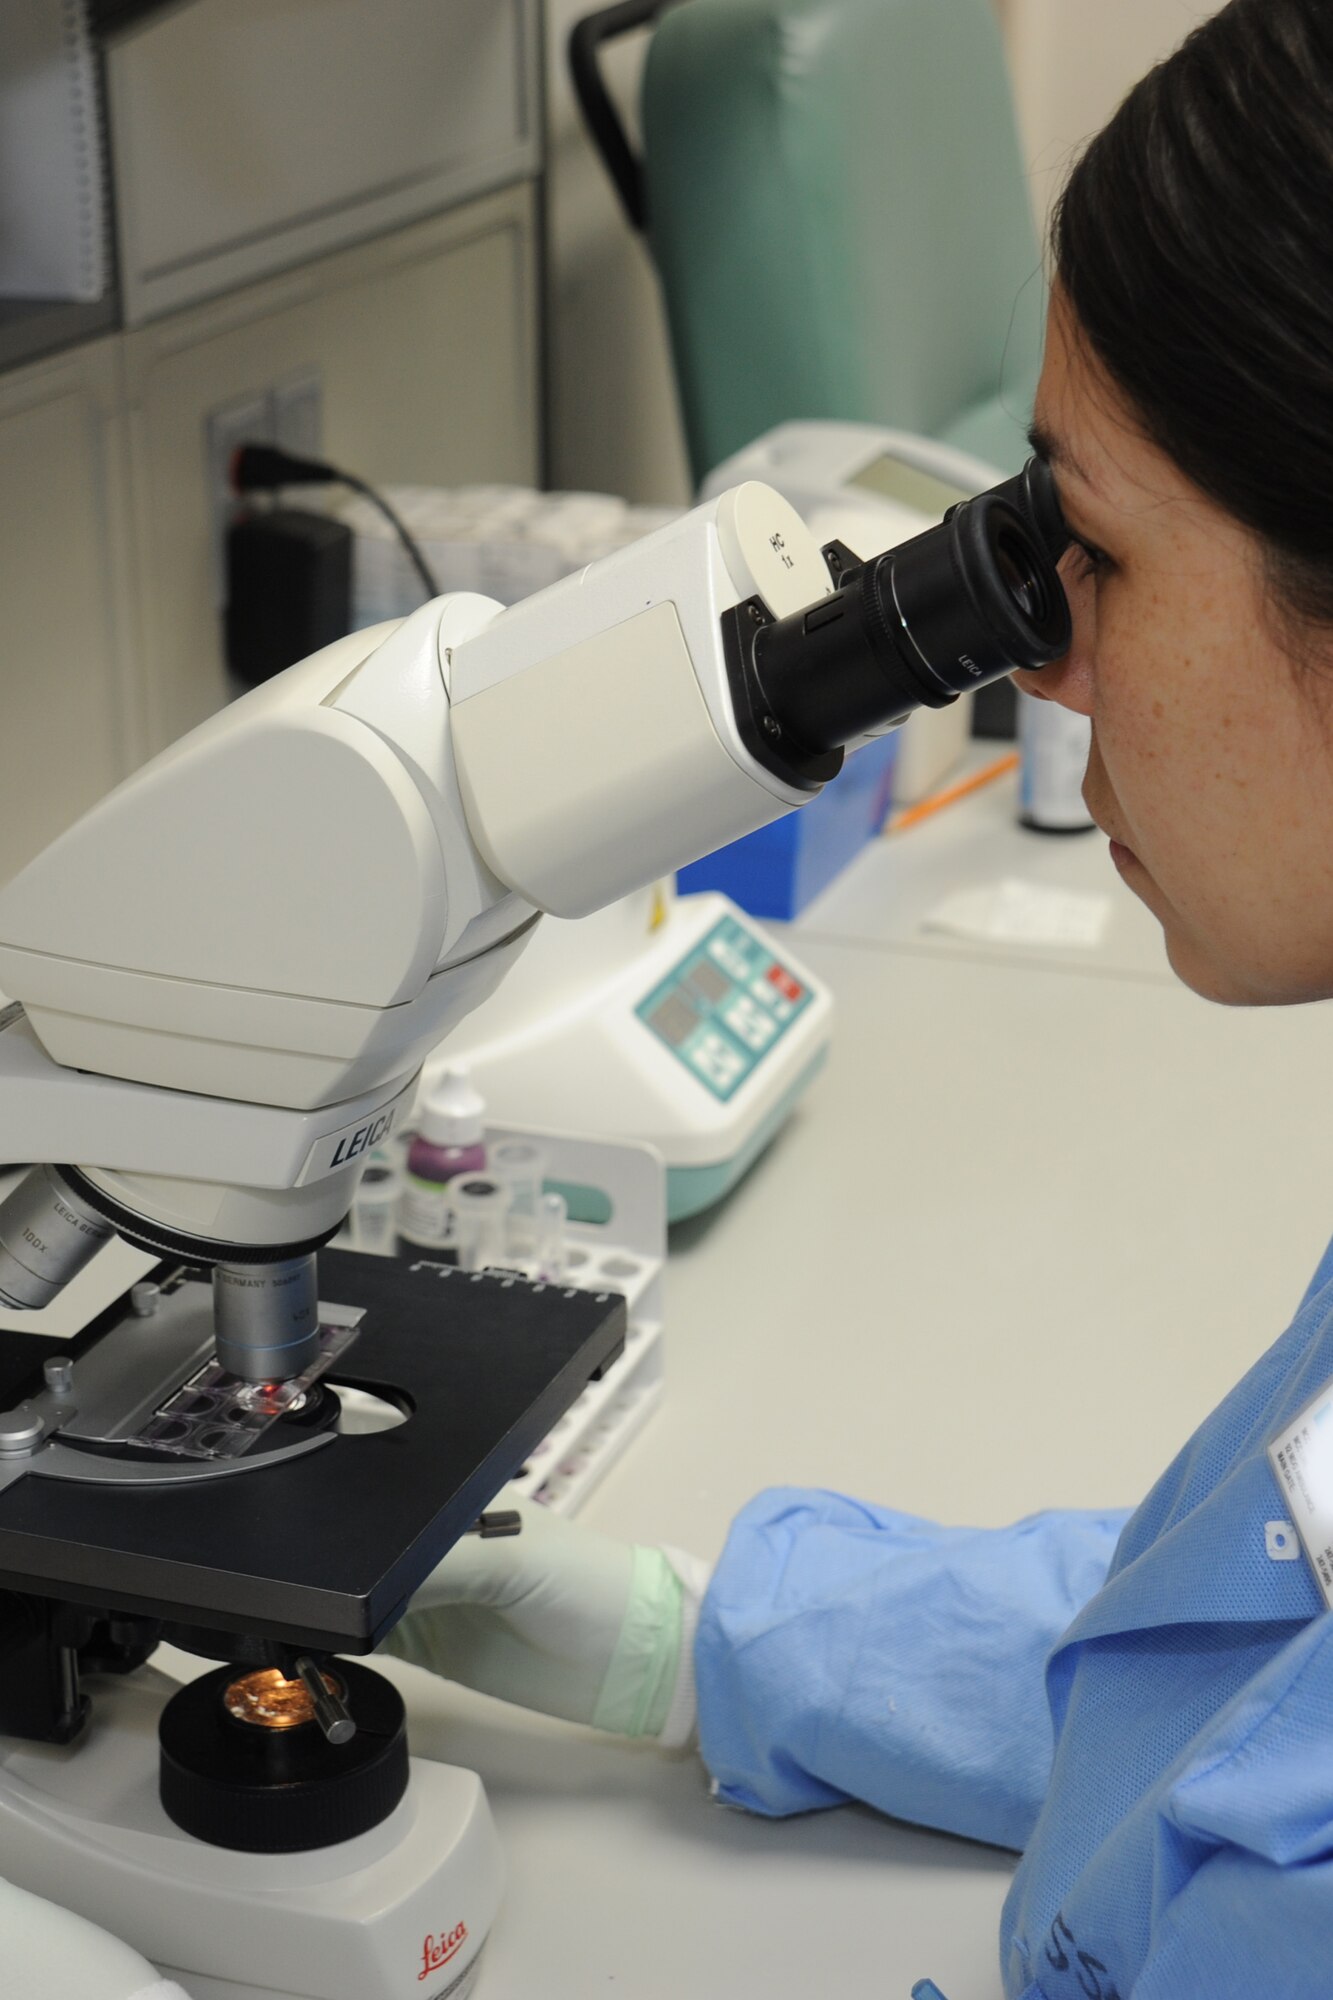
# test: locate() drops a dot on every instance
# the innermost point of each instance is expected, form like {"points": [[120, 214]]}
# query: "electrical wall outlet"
{"points": [[288, 413], [298, 414], [247, 420]]}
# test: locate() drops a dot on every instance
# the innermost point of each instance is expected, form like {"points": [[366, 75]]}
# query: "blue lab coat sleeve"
{"points": [[846, 1651]]}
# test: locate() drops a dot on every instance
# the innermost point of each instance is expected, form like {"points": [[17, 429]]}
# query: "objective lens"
{"points": [[47, 1235], [266, 1318]]}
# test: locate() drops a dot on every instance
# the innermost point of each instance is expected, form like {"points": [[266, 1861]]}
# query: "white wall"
{"points": [[613, 421], [1072, 61]]}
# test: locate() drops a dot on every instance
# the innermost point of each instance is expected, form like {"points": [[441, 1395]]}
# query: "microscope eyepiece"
{"points": [[1022, 581], [974, 598], [1032, 492], [946, 612]]}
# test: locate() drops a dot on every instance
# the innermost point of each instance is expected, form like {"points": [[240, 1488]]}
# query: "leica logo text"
{"points": [[437, 1951]]}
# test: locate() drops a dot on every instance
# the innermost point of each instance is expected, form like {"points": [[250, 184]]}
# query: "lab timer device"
{"points": [[679, 1020], [225, 980]]}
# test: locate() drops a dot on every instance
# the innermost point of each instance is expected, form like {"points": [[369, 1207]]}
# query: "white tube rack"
{"points": [[625, 1254]]}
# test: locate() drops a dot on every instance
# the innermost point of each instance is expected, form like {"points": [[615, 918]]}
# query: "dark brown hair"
{"points": [[1194, 241]]}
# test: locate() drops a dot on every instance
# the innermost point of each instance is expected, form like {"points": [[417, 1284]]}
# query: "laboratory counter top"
{"points": [[1040, 1210]]}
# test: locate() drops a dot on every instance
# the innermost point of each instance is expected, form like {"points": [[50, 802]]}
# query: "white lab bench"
{"points": [[1037, 1215]]}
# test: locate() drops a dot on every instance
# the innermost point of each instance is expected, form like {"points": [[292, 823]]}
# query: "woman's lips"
{"points": [[1121, 855]]}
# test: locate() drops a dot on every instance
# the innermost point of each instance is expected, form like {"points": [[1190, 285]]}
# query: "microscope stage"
{"points": [[323, 1548]]}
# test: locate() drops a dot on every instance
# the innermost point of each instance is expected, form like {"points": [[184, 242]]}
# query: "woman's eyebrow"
{"points": [[1054, 451]]}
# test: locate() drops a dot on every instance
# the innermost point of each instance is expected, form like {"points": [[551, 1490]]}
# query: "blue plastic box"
{"points": [[778, 870]]}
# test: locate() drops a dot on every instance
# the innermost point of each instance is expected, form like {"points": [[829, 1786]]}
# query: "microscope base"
{"points": [[402, 1910]]}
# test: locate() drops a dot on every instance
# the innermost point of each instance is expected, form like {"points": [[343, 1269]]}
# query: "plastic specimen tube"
{"points": [[521, 1165], [375, 1210], [479, 1205], [549, 1251]]}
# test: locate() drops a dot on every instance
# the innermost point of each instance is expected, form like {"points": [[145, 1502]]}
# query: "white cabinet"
{"points": [[340, 191], [425, 347], [424, 343], [248, 135], [70, 707]]}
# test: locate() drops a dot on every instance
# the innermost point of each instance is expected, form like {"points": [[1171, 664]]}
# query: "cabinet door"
{"points": [[69, 708], [424, 346], [249, 136]]}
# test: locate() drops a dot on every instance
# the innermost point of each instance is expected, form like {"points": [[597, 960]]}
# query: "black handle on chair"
{"points": [[599, 113]]}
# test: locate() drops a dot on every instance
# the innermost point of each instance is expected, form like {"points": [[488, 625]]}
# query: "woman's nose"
{"points": [[1068, 681]]}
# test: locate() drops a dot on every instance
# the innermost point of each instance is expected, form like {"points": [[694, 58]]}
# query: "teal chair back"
{"points": [[839, 214]]}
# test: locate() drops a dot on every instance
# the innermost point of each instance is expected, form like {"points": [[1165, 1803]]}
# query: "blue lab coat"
{"points": [[1142, 1703]]}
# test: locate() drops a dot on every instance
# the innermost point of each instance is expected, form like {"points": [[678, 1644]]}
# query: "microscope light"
{"points": [[266, 1699]]}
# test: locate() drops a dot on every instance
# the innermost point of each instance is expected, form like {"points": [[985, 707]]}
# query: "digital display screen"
{"points": [[674, 1020], [708, 982], [892, 479]]}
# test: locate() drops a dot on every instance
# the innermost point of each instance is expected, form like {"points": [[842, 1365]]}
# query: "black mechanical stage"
{"points": [[320, 1549]]}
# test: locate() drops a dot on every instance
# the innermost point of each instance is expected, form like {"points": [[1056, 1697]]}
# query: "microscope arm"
{"points": [[274, 921], [297, 901]]}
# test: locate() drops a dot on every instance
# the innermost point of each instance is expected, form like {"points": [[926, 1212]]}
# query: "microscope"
{"points": [[225, 978]]}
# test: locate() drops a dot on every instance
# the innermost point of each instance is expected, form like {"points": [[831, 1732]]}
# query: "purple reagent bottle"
{"points": [[449, 1141]]}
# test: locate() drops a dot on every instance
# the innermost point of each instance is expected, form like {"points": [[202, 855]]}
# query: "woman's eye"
{"points": [[1086, 560]]}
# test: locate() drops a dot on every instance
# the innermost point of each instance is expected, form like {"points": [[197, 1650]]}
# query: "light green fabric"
{"points": [[641, 1679], [557, 1618], [840, 217]]}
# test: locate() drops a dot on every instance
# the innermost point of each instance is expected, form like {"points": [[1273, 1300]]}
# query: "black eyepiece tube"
{"points": [[948, 611], [1033, 492]]}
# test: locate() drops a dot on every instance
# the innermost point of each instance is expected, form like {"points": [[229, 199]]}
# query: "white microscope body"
{"points": [[293, 904], [230, 972], [227, 976]]}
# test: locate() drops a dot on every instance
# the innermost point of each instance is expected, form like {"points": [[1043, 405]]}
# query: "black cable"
{"points": [[411, 547], [262, 468]]}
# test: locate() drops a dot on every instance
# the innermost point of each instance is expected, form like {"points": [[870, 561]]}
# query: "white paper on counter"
{"points": [[1018, 912]]}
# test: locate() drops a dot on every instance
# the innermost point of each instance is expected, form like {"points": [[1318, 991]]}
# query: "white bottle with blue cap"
{"points": [[1054, 744]]}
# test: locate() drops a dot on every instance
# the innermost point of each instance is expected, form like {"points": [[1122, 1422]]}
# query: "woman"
{"points": [[1143, 1704]]}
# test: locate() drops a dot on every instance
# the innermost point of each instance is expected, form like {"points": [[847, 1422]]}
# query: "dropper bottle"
{"points": [[450, 1141]]}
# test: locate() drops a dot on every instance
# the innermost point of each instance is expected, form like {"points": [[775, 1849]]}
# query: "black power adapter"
{"points": [[289, 573], [289, 589]]}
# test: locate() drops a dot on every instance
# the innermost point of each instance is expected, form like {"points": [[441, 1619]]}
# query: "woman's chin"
{"points": [[1204, 975]]}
